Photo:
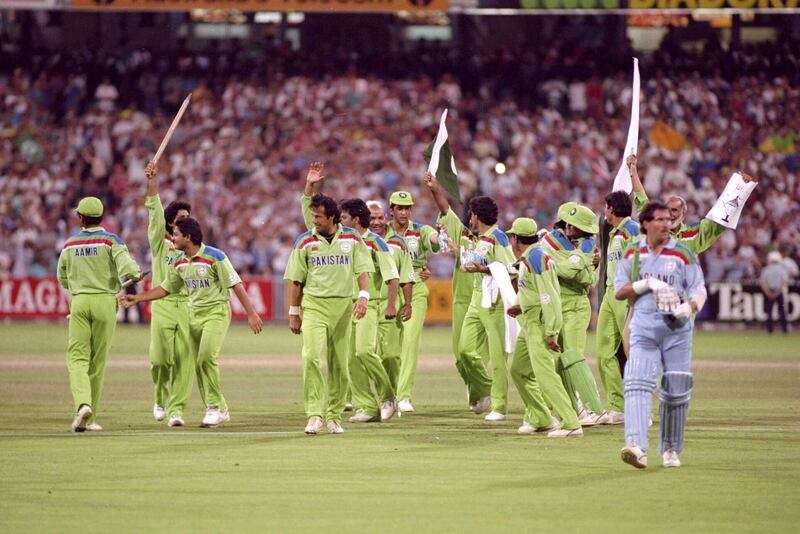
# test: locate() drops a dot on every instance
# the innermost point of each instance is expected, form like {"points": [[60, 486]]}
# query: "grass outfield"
{"points": [[440, 469]]}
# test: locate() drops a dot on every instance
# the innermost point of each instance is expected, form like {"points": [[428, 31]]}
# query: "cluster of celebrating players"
{"points": [[358, 297]]}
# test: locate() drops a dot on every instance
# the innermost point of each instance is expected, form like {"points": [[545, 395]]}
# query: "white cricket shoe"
{"points": [[335, 428], [405, 406], [214, 417], [387, 409], [612, 418], [566, 433], [482, 405], [175, 420], [348, 406], [528, 428], [495, 416], [159, 412], [362, 417], [671, 458], [94, 427], [589, 418], [314, 425], [83, 414], [634, 455]]}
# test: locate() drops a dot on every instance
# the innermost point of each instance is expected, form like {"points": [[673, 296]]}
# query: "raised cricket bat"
{"points": [[172, 128]]}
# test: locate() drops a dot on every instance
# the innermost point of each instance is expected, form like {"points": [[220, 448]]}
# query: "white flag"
{"points": [[728, 207], [623, 180], [441, 137]]}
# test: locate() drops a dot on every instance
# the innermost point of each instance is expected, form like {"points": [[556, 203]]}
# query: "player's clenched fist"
{"points": [[150, 170]]}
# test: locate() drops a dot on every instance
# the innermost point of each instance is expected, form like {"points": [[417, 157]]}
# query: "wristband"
{"points": [[363, 294], [294, 310], [640, 286]]}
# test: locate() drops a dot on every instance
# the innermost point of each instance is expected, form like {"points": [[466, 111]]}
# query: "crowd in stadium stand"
{"points": [[76, 124]]}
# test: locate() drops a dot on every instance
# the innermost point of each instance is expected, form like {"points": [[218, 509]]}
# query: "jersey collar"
{"points": [[491, 229], [199, 251], [671, 243], [93, 229]]}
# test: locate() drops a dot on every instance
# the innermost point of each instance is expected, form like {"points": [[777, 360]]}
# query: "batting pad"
{"points": [[676, 390]]}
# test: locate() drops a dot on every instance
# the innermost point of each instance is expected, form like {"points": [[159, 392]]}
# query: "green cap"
{"points": [[401, 198], [90, 207], [578, 216], [523, 227]]}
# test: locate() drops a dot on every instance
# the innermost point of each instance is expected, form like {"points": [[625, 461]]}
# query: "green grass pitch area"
{"points": [[441, 469]]}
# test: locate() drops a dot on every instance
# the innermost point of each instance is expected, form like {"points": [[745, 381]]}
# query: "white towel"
{"points": [[500, 281]]}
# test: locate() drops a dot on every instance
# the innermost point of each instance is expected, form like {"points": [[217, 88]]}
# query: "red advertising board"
{"points": [[44, 298]]}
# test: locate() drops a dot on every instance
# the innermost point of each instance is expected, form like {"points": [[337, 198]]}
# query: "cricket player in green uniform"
{"points": [[207, 274], [538, 417], [170, 360], [321, 268], [420, 240], [390, 331], [365, 363], [464, 242], [571, 245], [611, 317], [538, 309], [485, 318], [365, 360], [92, 266]]}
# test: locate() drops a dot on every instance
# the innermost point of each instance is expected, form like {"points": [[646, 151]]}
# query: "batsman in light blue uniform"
{"points": [[664, 279]]}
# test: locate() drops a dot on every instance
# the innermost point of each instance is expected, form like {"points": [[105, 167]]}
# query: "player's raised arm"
{"points": [[439, 196], [316, 173], [640, 198]]}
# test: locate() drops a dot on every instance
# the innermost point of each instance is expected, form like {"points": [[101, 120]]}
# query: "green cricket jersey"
{"points": [[463, 282], [327, 268], [699, 236], [94, 261], [380, 255], [573, 261], [385, 269], [418, 243], [618, 240], [539, 290], [208, 277], [402, 262], [491, 246], [162, 247]]}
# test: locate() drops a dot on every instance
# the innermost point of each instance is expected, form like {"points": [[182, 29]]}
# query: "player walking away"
{"points": [[774, 280], [92, 266], [322, 266], [365, 363], [170, 359], [420, 239], [390, 331], [611, 317], [571, 245], [538, 310], [485, 318], [208, 275], [664, 277]]}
